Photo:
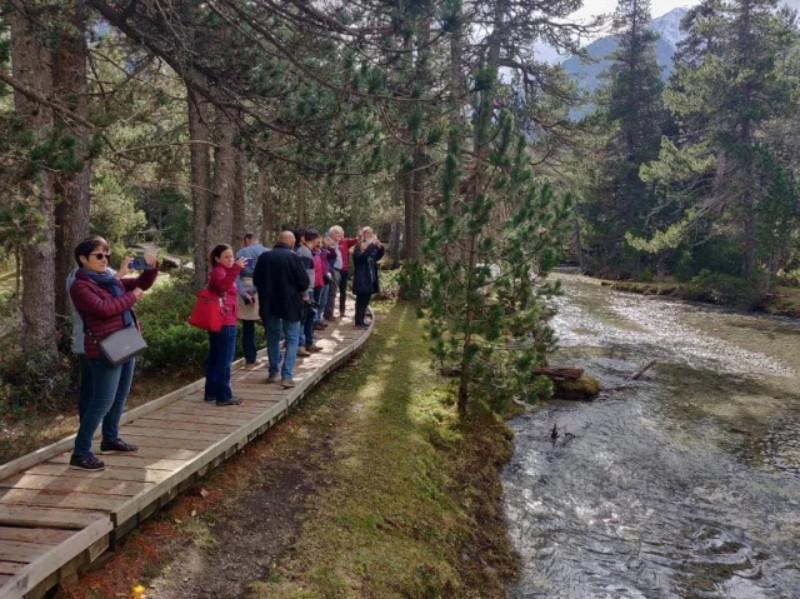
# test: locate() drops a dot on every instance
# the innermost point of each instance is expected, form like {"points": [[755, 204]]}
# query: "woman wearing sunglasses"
{"points": [[104, 301]]}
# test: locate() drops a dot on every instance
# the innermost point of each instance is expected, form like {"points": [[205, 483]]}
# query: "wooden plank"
{"points": [[14, 515], [160, 441], [24, 553], [244, 411], [154, 452], [261, 386], [77, 485], [44, 566], [156, 404], [46, 536], [10, 568], [166, 426], [219, 416], [143, 429], [131, 461], [86, 501], [113, 474], [45, 453], [186, 408], [134, 505]]}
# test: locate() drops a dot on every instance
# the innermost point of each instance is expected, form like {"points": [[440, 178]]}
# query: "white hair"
{"points": [[336, 229]]}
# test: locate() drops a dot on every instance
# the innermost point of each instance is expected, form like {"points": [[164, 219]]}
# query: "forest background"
{"points": [[435, 121]]}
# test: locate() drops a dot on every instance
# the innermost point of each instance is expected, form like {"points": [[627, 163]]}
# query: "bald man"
{"points": [[281, 279]]}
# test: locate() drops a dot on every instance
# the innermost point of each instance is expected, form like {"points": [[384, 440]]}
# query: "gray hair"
{"points": [[336, 229]]}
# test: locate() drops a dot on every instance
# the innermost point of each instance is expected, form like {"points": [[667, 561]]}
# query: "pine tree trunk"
{"points": [[30, 60], [240, 225], [302, 186], [71, 87], [264, 200], [201, 181], [220, 223], [411, 241]]}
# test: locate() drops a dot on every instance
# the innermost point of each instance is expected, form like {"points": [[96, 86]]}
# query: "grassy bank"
{"points": [[411, 508], [785, 301], [373, 488]]}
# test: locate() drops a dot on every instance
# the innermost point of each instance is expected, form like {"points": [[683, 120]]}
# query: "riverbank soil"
{"points": [[373, 488]]}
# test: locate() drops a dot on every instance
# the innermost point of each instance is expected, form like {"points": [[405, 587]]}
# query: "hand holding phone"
{"points": [[139, 263]]}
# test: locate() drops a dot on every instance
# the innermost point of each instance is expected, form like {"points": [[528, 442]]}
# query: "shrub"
{"points": [[172, 342], [730, 290]]}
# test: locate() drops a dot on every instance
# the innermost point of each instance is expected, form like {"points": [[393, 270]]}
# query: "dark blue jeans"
{"points": [[342, 290], [291, 332], [249, 341], [222, 347], [308, 323], [104, 389]]}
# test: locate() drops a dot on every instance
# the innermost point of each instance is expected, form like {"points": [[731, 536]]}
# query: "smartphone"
{"points": [[138, 263], [248, 262]]}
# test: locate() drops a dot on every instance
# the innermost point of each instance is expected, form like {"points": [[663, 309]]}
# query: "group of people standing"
{"points": [[292, 288]]}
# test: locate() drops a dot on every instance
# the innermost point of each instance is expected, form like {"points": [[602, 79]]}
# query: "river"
{"points": [[682, 484]]}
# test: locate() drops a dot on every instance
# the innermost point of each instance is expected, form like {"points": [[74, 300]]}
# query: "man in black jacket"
{"points": [[281, 279]]}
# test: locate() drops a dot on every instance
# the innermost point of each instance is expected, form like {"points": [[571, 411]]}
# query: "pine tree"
{"points": [[725, 91], [631, 117], [489, 251]]}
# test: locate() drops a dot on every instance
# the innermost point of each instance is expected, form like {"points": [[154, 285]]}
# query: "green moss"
{"points": [[411, 505], [585, 387]]}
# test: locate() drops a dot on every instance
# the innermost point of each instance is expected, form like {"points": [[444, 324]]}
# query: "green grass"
{"points": [[410, 508]]}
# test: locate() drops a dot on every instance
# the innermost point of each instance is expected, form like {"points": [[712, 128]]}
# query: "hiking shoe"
{"points": [[233, 401], [209, 399], [302, 352], [287, 383], [88, 462], [313, 348], [274, 378], [117, 446]]}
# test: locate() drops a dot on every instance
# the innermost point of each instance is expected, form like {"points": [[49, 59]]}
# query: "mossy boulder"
{"points": [[584, 388]]}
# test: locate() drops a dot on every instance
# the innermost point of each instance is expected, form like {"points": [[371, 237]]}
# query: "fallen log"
{"points": [[564, 373]]}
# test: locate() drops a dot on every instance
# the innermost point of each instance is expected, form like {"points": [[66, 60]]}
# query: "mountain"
{"points": [[668, 28]]}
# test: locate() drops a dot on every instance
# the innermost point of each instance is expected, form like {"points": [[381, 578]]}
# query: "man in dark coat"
{"points": [[281, 279]]}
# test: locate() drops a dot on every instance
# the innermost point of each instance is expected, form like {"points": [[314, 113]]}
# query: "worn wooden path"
{"points": [[55, 521]]}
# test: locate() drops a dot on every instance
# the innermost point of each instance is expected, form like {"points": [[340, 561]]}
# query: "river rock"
{"points": [[584, 388]]}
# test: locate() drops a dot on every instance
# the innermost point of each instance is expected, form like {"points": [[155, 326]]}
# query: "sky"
{"points": [[657, 7]]}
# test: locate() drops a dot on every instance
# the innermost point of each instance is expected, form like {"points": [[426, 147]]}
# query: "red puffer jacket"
{"points": [[222, 280], [101, 311]]}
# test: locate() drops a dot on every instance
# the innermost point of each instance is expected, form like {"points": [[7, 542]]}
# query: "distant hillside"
{"points": [[667, 26]]}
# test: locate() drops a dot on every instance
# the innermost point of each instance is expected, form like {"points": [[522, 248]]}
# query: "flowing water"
{"points": [[682, 484]]}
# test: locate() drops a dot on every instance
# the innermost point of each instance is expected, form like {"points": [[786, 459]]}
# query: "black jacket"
{"points": [[365, 269], [280, 279]]}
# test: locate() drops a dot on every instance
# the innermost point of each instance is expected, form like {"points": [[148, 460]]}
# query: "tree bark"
{"points": [[30, 60], [200, 157], [302, 186], [264, 201], [240, 222], [220, 224], [70, 86]]}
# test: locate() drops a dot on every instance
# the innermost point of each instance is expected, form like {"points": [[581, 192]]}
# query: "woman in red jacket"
{"points": [[222, 345], [104, 302]]}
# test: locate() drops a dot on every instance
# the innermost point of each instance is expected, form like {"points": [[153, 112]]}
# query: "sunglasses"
{"points": [[100, 256]]}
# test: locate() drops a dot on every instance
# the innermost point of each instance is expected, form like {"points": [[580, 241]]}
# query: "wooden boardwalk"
{"points": [[55, 521]]}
